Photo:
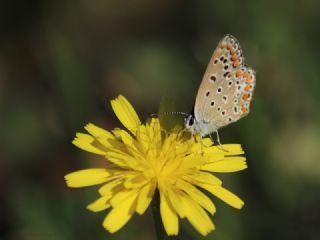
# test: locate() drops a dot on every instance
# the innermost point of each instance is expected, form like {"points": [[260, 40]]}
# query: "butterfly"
{"points": [[225, 91]]}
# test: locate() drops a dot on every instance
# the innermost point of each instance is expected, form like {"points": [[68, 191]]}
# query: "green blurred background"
{"points": [[62, 61]]}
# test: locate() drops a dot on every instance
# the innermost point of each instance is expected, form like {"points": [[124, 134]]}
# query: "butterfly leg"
{"points": [[201, 143], [218, 138], [212, 138], [219, 143]]}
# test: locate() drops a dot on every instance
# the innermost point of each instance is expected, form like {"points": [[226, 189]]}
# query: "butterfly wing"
{"points": [[226, 89]]}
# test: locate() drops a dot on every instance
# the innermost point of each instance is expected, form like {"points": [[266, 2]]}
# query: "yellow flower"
{"points": [[145, 159]]}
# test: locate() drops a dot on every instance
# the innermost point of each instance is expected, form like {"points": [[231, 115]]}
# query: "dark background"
{"points": [[62, 61]]}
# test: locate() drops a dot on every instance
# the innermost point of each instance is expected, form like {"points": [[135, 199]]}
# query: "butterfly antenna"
{"points": [[176, 113], [168, 113], [152, 115]]}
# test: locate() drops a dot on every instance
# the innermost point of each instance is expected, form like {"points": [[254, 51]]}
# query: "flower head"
{"points": [[145, 158]]}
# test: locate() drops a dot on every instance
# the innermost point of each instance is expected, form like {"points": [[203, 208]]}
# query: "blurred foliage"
{"points": [[62, 61]]}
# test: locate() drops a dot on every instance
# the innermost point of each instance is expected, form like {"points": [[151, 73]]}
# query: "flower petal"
{"points": [[155, 132], [102, 136], [198, 217], [232, 149], [136, 181], [142, 137], [145, 197], [131, 145], [197, 195], [124, 160], [176, 202], [122, 196], [125, 113], [100, 204], [85, 142], [87, 177], [229, 164], [202, 177], [225, 195], [200, 145], [98, 131], [120, 214], [109, 187], [225, 149], [195, 160], [186, 207], [169, 216]]}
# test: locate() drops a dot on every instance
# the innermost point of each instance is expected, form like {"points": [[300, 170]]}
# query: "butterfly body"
{"points": [[202, 127], [225, 91]]}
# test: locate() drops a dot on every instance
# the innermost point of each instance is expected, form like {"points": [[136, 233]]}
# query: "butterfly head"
{"points": [[190, 124], [194, 126]]}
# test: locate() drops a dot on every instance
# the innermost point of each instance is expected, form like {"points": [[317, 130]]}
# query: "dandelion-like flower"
{"points": [[144, 159]]}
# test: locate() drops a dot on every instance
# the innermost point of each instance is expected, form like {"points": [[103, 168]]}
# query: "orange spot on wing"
{"points": [[236, 63], [245, 97], [222, 45], [247, 88], [248, 79], [238, 73], [243, 109], [234, 57], [232, 51], [229, 46]]}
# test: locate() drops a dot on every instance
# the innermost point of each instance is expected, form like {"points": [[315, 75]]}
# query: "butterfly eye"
{"points": [[191, 121]]}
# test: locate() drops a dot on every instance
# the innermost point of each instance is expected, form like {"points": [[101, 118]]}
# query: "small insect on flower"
{"points": [[225, 92], [145, 158]]}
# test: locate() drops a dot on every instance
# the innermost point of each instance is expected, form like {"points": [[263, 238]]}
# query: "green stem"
{"points": [[157, 217]]}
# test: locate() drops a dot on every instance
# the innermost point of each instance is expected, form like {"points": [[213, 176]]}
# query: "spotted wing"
{"points": [[226, 89]]}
